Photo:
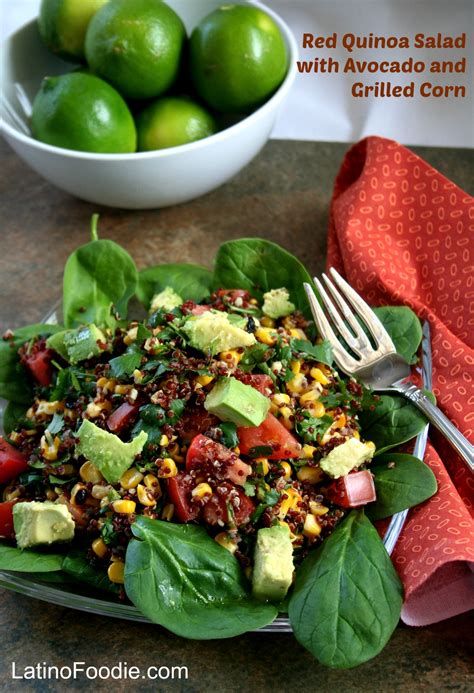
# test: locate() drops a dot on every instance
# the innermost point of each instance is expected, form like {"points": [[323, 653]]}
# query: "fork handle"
{"points": [[439, 420]]}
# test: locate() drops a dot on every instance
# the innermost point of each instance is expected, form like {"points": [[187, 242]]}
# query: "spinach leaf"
{"points": [[229, 434], [183, 580], [13, 416], [403, 327], [191, 282], [76, 565], [401, 481], [259, 265], [319, 352], [15, 385], [27, 561], [100, 277], [347, 596], [392, 421]]}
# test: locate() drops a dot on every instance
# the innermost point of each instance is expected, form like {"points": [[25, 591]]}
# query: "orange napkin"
{"points": [[403, 234]]}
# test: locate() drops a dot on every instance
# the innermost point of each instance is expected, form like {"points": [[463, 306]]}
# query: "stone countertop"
{"points": [[283, 196]]}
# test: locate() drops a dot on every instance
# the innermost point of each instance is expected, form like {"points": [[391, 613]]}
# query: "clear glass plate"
{"points": [[68, 596]]}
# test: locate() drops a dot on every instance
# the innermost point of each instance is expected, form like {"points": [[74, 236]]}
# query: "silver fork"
{"points": [[380, 368]]}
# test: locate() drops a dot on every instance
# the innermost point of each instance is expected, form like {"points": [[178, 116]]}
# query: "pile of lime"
{"points": [[143, 85]]}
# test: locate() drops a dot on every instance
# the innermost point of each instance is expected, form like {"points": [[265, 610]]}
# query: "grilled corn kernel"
{"points": [[99, 491], [173, 449], [164, 440], [168, 512], [145, 496], [317, 409], [204, 379], [90, 474], [287, 469], [281, 398], [311, 528], [308, 451], [124, 507], [317, 509], [122, 389], [289, 503], [370, 444], [297, 384], [167, 468], [131, 336], [99, 548], [152, 483], [286, 417], [318, 375], [16, 494], [49, 408], [201, 490], [264, 465], [266, 335], [94, 409], [267, 322], [138, 376], [296, 332], [356, 434], [49, 447], [133, 394], [131, 478], [341, 421], [295, 367], [231, 357], [311, 475], [50, 495], [116, 572], [226, 541], [14, 436], [308, 397]]}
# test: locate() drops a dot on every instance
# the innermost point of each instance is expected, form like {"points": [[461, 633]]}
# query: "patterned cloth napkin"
{"points": [[402, 234]]}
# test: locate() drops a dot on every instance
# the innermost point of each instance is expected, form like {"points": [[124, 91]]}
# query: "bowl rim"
{"points": [[228, 132]]}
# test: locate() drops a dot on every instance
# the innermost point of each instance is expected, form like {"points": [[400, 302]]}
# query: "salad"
{"points": [[207, 461]]}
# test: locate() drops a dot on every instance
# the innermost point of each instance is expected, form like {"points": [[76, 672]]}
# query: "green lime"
{"points": [[63, 23], [238, 58], [136, 46], [172, 121], [81, 111]]}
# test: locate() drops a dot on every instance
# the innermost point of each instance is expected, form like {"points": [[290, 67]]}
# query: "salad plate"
{"points": [[196, 454]]}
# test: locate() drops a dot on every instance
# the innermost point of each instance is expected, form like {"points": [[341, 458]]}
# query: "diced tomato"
{"points": [[199, 310], [123, 416], [272, 434], [179, 492], [12, 461], [194, 421], [216, 508], [216, 460], [6, 520], [38, 363], [352, 490]]}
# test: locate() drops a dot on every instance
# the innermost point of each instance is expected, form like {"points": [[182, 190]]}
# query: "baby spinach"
{"points": [[100, 277], [13, 416], [15, 385], [28, 561], [191, 282], [259, 265], [392, 421], [183, 580], [403, 327], [401, 481], [76, 565], [347, 596]]}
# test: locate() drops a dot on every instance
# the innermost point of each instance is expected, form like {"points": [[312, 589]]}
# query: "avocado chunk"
{"points": [[78, 344], [166, 299], [213, 331], [231, 400], [106, 451], [273, 564], [346, 457], [277, 304], [37, 523]]}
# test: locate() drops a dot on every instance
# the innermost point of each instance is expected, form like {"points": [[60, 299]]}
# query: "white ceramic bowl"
{"points": [[132, 181]]}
